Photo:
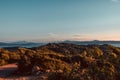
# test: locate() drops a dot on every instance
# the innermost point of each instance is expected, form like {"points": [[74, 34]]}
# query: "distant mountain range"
{"points": [[114, 43], [34, 44], [92, 42]]}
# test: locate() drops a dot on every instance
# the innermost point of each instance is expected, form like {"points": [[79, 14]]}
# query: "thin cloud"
{"points": [[79, 35], [115, 0], [52, 34]]}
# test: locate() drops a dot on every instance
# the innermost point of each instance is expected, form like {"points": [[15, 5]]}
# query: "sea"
{"points": [[25, 46], [116, 45], [37, 45]]}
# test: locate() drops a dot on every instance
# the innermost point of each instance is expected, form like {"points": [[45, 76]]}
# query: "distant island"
{"points": [[36, 44]]}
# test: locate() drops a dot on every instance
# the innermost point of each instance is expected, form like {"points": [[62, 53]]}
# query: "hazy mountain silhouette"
{"points": [[34, 44]]}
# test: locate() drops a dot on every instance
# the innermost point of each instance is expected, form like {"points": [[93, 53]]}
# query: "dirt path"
{"points": [[7, 70]]}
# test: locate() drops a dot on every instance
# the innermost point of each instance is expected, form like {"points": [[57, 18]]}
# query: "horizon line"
{"points": [[54, 41]]}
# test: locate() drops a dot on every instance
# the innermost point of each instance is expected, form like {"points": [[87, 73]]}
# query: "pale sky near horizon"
{"points": [[50, 20]]}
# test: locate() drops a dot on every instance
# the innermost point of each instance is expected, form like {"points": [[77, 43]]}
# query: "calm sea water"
{"points": [[27, 46], [37, 45], [117, 45]]}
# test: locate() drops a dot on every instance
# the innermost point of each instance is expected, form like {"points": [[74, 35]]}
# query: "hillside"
{"points": [[65, 61]]}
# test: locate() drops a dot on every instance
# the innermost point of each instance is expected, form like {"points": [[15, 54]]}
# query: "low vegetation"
{"points": [[66, 61]]}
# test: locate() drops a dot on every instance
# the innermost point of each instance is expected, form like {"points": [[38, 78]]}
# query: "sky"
{"points": [[56, 20]]}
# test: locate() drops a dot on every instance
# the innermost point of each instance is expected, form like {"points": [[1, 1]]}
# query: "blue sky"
{"points": [[50, 20]]}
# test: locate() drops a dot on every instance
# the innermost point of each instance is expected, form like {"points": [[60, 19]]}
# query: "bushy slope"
{"points": [[76, 62]]}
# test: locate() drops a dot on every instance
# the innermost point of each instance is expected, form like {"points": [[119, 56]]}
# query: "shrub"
{"points": [[2, 62]]}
